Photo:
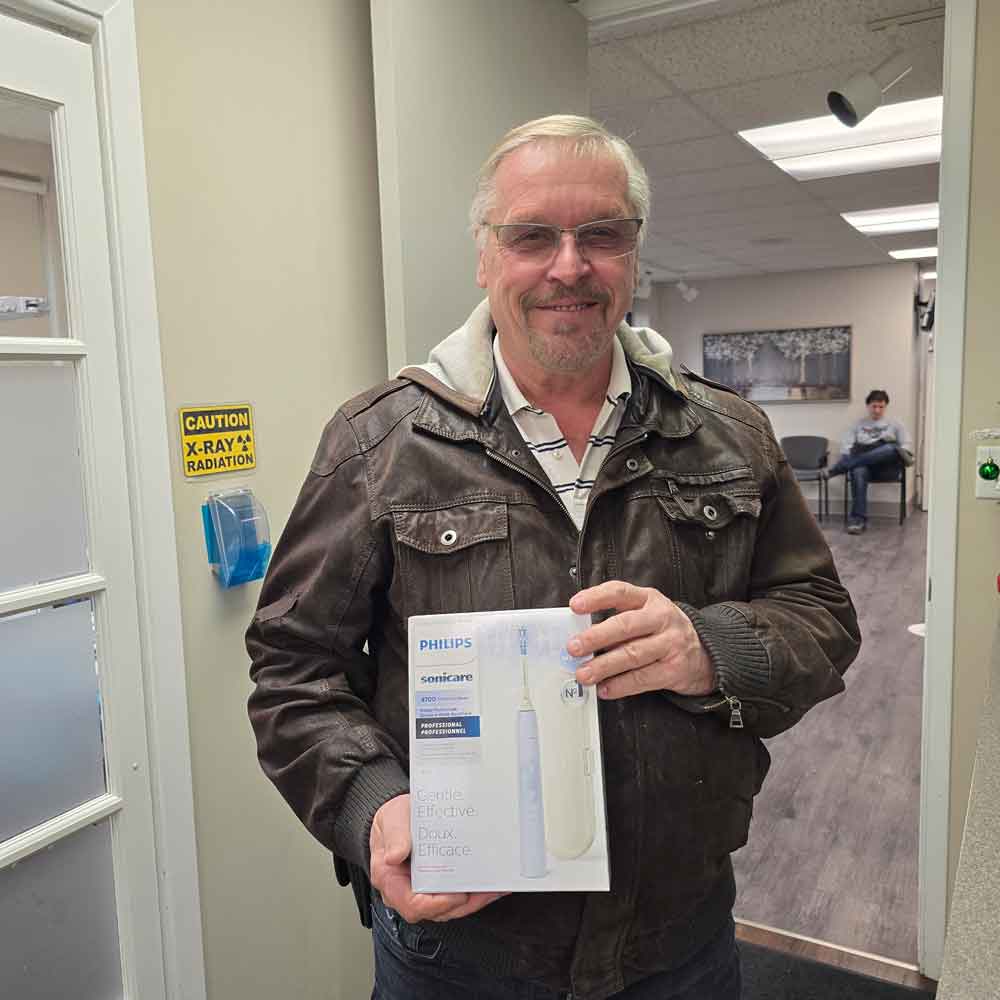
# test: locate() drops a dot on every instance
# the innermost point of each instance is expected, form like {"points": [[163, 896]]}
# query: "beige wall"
{"points": [[876, 301], [434, 135], [978, 553], [260, 149]]}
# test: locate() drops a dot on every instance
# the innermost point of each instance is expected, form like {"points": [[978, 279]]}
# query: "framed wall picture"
{"points": [[808, 364]]}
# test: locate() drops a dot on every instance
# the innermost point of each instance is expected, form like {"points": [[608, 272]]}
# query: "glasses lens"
{"points": [[527, 240], [609, 238]]}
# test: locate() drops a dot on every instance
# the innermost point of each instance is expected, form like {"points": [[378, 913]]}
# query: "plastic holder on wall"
{"points": [[237, 536]]}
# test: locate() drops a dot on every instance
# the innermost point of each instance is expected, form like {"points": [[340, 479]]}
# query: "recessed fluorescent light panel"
{"points": [[918, 253], [895, 135], [929, 275], [901, 219]]}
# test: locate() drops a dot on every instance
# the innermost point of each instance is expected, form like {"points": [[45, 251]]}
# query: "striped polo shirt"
{"points": [[571, 481]]}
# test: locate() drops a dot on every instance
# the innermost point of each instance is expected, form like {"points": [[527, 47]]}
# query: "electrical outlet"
{"points": [[987, 460]]}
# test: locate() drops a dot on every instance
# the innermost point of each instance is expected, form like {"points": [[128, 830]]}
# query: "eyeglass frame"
{"points": [[494, 227]]}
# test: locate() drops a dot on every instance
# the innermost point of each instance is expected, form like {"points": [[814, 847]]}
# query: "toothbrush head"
{"points": [[522, 637]]}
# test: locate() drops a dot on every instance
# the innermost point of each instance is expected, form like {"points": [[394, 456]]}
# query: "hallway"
{"points": [[833, 843]]}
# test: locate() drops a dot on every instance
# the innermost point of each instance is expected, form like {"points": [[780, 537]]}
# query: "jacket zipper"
{"points": [[736, 707], [527, 475]]}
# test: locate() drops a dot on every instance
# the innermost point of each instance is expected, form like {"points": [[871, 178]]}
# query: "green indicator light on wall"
{"points": [[989, 470]]}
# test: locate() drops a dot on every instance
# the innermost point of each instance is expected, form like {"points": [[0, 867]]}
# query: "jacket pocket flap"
{"points": [[449, 529], [710, 508], [709, 478]]}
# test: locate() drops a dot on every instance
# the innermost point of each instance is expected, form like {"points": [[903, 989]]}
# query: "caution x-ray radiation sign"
{"points": [[217, 439]]}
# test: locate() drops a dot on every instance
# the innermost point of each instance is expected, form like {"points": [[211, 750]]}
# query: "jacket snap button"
{"points": [[632, 464], [572, 571], [710, 512], [449, 537], [710, 535], [515, 452]]}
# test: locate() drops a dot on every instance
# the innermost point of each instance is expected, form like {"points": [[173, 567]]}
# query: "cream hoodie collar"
{"points": [[461, 368]]}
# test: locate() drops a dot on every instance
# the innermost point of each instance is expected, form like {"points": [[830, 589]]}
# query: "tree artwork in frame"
{"points": [[811, 364]]}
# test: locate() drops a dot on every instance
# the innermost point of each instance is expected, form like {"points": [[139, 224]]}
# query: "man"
{"points": [[548, 455], [871, 447]]}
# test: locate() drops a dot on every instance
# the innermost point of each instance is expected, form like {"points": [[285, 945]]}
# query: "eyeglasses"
{"points": [[536, 243]]}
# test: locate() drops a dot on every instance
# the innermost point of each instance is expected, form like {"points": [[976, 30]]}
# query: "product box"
{"points": [[506, 784]]}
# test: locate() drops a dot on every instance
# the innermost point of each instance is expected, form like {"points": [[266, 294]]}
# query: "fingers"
{"points": [[390, 845], [621, 628], [474, 902], [390, 835], [611, 594], [630, 657], [440, 906]]}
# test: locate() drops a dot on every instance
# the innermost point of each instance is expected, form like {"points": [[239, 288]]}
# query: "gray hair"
{"points": [[586, 137]]}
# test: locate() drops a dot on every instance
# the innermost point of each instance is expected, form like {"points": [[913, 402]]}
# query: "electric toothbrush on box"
{"points": [[531, 809]]}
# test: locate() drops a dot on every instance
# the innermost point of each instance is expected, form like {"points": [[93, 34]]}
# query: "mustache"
{"points": [[582, 290]]}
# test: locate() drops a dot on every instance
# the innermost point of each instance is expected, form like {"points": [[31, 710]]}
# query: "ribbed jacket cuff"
{"points": [[374, 785], [741, 662]]}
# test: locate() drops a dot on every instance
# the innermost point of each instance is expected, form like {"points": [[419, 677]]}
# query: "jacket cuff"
{"points": [[742, 665], [374, 785]]}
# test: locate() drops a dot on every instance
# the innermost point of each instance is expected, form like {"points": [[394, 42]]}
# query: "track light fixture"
{"points": [[862, 94]]}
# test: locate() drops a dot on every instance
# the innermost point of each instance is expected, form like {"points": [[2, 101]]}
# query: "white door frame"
{"points": [[109, 27], [942, 542]]}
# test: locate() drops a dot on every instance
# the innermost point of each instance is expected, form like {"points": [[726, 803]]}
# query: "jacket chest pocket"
{"points": [[713, 526], [452, 559]]}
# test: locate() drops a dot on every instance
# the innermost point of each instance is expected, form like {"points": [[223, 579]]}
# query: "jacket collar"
{"points": [[461, 371]]}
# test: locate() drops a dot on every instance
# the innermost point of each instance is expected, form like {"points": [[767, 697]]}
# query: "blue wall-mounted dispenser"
{"points": [[237, 536]]}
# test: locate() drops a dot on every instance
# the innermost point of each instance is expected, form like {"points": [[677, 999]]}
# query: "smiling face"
{"points": [[560, 316]]}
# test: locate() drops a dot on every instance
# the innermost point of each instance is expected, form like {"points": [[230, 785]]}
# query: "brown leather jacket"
{"points": [[695, 499]]}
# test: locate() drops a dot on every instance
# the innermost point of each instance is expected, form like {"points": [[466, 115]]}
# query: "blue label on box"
{"points": [[447, 727]]}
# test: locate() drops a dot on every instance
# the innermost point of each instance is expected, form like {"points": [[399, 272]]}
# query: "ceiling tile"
{"points": [[667, 208], [669, 20], [884, 189], [904, 241], [793, 96], [653, 123], [791, 37], [750, 175], [697, 154], [617, 77]]}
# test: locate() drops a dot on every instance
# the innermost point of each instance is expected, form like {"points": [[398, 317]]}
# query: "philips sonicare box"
{"points": [[506, 786]]}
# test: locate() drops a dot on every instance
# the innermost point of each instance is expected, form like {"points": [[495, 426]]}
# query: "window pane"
{"points": [[31, 297], [51, 749], [41, 500], [58, 927]]}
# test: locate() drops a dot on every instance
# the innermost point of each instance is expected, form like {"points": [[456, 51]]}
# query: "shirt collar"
{"points": [[618, 391]]}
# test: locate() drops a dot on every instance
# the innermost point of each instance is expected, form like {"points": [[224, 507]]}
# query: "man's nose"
{"points": [[568, 264]]}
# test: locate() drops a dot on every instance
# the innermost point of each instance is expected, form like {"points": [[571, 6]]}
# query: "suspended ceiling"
{"points": [[680, 85]]}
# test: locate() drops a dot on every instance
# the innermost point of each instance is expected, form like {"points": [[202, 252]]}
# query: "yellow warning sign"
{"points": [[217, 439]]}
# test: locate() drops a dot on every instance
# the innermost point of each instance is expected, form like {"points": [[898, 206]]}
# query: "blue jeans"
{"points": [[411, 964], [859, 468]]}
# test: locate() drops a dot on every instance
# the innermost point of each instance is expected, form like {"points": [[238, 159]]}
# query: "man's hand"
{"points": [[650, 645], [390, 871]]}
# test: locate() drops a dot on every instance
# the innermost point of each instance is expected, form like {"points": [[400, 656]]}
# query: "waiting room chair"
{"points": [[895, 473], [807, 456]]}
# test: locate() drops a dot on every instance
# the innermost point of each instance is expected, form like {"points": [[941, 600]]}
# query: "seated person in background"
{"points": [[871, 442]]}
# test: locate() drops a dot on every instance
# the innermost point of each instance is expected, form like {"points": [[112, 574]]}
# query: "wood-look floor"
{"points": [[833, 843]]}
